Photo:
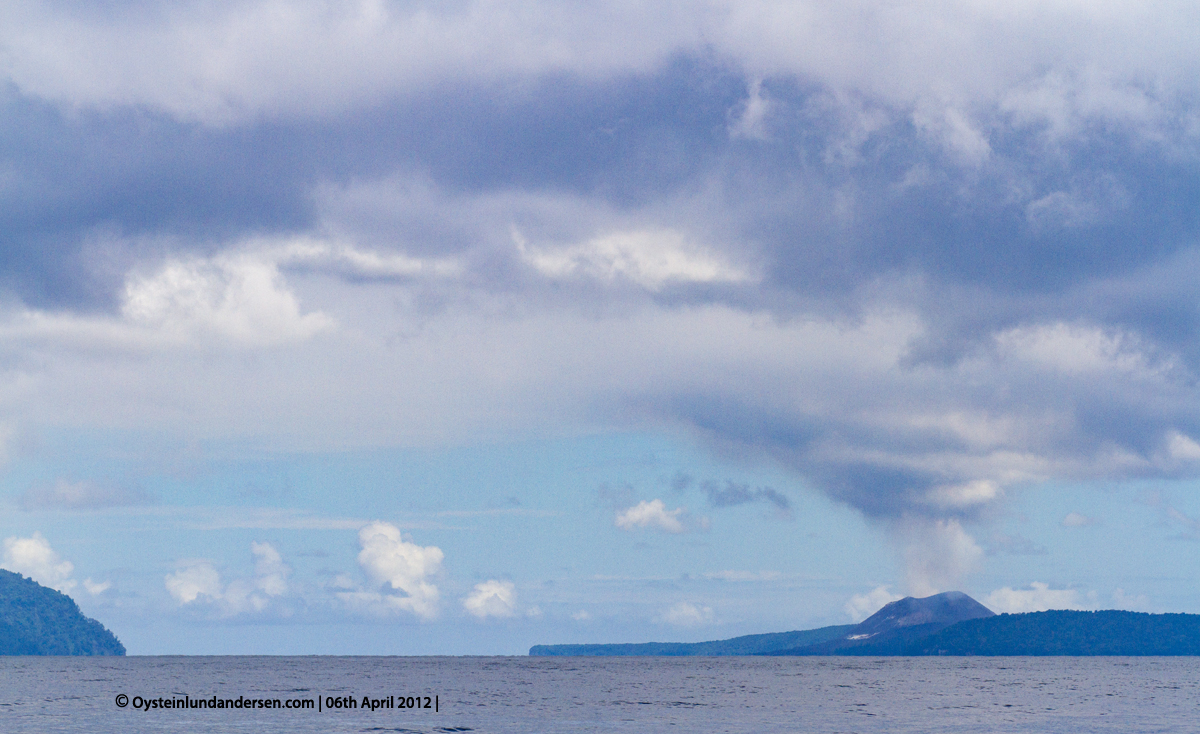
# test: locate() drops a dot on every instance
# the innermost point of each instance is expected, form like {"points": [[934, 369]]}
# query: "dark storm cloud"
{"points": [[826, 211], [733, 494], [841, 203], [82, 188]]}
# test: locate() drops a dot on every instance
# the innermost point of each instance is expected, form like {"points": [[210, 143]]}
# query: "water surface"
{"points": [[518, 694]]}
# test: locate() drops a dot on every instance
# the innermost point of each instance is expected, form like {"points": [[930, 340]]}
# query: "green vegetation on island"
{"points": [[951, 623], [1059, 632], [745, 645], [35, 620]]}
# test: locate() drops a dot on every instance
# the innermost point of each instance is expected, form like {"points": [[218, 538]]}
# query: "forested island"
{"points": [[35, 620], [745, 645], [947, 624], [1060, 632]]}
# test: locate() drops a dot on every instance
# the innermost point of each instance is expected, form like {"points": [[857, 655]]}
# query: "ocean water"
{"points": [[518, 694]]}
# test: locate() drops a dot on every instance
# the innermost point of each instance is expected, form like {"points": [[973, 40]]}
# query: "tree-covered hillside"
{"points": [[35, 620], [745, 645], [1109, 632]]}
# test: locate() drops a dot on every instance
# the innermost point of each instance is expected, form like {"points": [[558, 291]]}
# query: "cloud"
{"points": [[862, 606], [1077, 520], [270, 572], [651, 514], [1037, 598], [687, 614], [34, 558], [197, 581], [491, 598], [1182, 447], [750, 121], [648, 259], [739, 494], [1173, 515], [937, 554], [1045, 66], [404, 570], [83, 495], [1133, 602], [744, 575], [920, 273], [238, 298], [96, 589]]}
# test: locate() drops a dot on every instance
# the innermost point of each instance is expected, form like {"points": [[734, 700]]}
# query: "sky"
{"points": [[370, 327]]}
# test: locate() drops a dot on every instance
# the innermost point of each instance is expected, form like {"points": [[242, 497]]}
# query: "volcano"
{"points": [[897, 625]]}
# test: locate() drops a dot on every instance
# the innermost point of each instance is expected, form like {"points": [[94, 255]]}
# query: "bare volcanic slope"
{"points": [[35, 620], [893, 629]]}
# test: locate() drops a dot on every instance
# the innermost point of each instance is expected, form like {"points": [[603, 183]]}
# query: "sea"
{"points": [[523, 694]]}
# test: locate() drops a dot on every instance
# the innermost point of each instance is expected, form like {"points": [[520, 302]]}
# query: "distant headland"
{"points": [[947, 624], [35, 620]]}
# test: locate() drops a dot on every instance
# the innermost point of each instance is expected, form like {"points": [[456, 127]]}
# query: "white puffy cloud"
{"points": [[240, 298], [687, 614], [34, 558], [651, 514], [237, 299], [1037, 598], [405, 570], [492, 598], [862, 606], [271, 573], [197, 581]]}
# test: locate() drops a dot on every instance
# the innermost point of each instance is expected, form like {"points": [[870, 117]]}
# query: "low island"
{"points": [[947, 624]]}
